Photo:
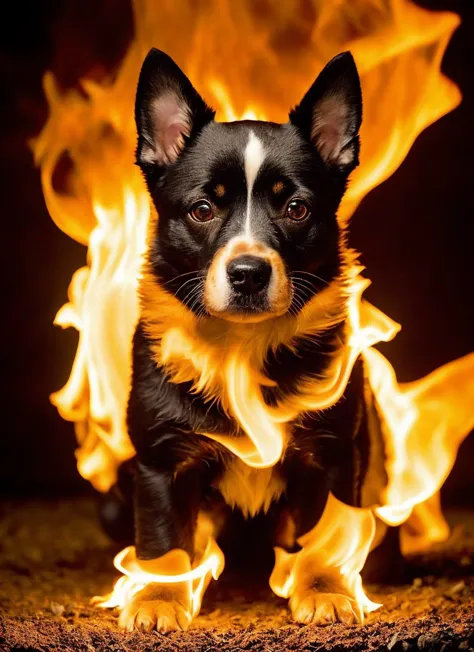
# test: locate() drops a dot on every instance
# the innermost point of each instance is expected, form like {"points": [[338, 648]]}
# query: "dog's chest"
{"points": [[249, 489]]}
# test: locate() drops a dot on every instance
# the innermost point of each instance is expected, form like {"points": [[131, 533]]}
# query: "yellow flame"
{"points": [[327, 549], [263, 425], [135, 578], [398, 48], [425, 423]]}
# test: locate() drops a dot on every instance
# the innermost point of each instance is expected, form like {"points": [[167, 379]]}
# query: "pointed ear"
{"points": [[168, 111], [330, 114]]}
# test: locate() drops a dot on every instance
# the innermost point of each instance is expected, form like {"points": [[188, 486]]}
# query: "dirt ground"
{"points": [[54, 558]]}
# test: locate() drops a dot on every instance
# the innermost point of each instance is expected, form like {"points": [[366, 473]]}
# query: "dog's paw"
{"points": [[156, 614], [313, 607], [152, 608]]}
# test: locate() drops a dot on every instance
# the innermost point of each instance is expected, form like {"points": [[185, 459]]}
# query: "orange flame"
{"points": [[328, 548], [398, 48], [135, 578]]}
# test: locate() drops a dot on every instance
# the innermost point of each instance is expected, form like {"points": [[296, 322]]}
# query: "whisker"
{"points": [[302, 271], [190, 280], [298, 301], [191, 294], [175, 278], [202, 312], [304, 283], [306, 291], [297, 291], [197, 298]]}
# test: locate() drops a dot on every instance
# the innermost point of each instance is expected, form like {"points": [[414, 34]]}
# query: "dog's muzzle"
{"points": [[247, 281]]}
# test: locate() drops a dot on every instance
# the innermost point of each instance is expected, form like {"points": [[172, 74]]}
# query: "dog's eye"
{"points": [[297, 210], [201, 211]]}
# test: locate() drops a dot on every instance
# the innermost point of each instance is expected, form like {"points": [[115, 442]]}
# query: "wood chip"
{"points": [[393, 640]]}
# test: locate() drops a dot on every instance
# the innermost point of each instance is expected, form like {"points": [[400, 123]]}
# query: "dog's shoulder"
{"points": [[157, 405]]}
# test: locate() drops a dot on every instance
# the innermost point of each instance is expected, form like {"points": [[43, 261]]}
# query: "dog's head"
{"points": [[247, 210]]}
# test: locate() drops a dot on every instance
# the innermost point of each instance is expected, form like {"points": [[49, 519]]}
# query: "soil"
{"points": [[54, 558]]}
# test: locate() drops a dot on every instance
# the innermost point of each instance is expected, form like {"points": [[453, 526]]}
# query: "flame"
{"points": [[425, 423], [135, 578], [327, 549], [263, 425], [102, 203]]}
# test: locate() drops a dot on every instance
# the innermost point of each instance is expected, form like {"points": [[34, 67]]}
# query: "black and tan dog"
{"points": [[243, 299]]}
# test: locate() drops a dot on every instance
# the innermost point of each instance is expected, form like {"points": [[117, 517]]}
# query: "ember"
{"points": [[397, 46]]}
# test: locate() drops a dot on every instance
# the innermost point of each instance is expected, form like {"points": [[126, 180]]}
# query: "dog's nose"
{"points": [[249, 274]]}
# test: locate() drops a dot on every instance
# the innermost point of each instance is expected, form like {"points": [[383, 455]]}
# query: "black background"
{"points": [[416, 232]]}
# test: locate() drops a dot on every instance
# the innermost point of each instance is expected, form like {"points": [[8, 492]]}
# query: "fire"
{"points": [[398, 48], [328, 548], [135, 578]]}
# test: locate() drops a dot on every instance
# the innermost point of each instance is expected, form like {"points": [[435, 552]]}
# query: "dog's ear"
{"points": [[330, 114], [168, 111]]}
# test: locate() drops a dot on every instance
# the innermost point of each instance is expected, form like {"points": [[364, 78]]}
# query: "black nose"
{"points": [[248, 274]]}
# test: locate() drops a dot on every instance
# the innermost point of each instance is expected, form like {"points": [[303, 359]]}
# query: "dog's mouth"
{"points": [[247, 281]]}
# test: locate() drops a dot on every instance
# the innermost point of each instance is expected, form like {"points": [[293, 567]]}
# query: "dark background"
{"points": [[416, 232]]}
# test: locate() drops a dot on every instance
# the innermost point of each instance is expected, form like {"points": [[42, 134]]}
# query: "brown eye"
{"points": [[201, 211], [297, 210]]}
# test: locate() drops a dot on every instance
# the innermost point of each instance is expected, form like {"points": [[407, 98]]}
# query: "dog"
{"points": [[243, 298]]}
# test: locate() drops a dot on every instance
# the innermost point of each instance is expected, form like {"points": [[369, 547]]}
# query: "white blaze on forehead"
{"points": [[254, 157]]}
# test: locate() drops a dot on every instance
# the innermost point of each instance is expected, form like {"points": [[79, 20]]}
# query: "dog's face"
{"points": [[247, 210]]}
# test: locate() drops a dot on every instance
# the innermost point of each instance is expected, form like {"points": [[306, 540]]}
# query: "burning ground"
{"points": [[54, 558]]}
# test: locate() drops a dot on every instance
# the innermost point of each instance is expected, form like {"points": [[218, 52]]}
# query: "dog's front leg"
{"points": [[322, 580], [166, 509]]}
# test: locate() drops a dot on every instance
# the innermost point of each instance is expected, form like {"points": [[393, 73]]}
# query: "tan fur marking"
{"points": [[219, 190], [246, 246], [278, 187], [281, 290], [251, 490]]}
